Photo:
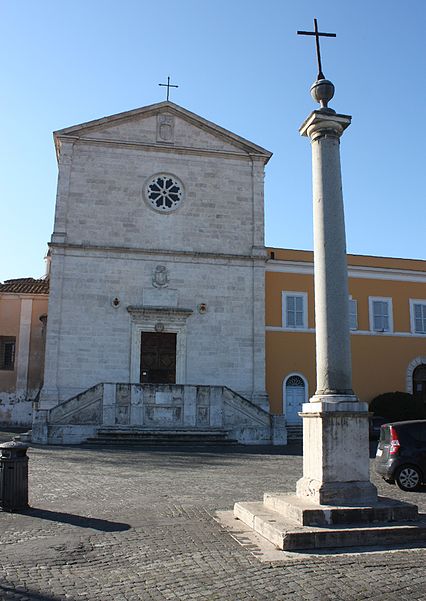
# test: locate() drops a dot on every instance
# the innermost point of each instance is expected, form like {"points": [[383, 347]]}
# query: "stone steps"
{"points": [[294, 432], [138, 437], [387, 523]]}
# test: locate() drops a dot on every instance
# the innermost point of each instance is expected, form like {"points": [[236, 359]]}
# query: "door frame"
{"points": [[422, 382], [410, 371], [306, 390], [173, 321]]}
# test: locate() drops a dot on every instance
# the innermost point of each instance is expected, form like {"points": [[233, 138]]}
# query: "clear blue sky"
{"points": [[240, 64]]}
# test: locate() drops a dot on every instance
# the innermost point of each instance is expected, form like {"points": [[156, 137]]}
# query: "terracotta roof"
{"points": [[25, 286]]}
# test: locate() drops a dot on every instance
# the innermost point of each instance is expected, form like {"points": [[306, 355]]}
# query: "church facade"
{"points": [[157, 271]]}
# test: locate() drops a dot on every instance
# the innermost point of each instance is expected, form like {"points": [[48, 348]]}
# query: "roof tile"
{"points": [[25, 286]]}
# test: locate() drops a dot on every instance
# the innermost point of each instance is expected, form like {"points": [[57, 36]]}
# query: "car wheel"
{"points": [[408, 478]]}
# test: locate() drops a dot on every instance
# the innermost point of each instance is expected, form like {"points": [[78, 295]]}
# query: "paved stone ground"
{"points": [[127, 525]]}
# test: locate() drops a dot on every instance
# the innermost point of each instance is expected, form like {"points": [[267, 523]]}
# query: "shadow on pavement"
{"points": [[191, 449], [75, 520], [292, 448], [23, 593]]}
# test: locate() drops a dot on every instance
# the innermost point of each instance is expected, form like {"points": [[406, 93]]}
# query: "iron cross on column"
{"points": [[168, 85], [317, 35]]}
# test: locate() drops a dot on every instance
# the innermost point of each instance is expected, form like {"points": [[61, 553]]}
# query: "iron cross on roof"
{"points": [[317, 35], [168, 85]]}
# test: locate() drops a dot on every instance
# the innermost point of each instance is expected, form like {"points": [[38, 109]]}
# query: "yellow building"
{"points": [[388, 327], [23, 317]]}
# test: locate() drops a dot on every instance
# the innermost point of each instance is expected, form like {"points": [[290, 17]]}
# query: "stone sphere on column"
{"points": [[322, 91]]}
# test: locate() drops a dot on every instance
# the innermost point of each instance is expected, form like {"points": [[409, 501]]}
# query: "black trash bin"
{"points": [[13, 476]]}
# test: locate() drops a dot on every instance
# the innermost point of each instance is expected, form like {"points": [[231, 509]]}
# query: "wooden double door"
{"points": [[158, 358]]}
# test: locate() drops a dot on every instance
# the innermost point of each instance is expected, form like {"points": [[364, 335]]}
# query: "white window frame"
{"points": [[304, 295], [353, 303], [383, 299], [413, 302]]}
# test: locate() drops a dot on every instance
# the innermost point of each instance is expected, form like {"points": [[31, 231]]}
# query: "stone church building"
{"points": [[157, 277]]}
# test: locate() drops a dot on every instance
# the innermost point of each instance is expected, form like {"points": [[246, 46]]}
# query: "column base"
{"points": [[308, 513], [353, 493], [292, 524]]}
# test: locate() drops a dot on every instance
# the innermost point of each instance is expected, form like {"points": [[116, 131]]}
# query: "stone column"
{"points": [[335, 423], [334, 370]]}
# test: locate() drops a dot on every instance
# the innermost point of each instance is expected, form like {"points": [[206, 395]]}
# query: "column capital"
{"points": [[324, 122]]}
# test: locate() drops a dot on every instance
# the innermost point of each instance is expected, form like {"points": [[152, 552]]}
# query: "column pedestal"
{"points": [[336, 452]]}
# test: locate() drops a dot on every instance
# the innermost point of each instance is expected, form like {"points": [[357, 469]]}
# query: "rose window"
{"points": [[164, 193]]}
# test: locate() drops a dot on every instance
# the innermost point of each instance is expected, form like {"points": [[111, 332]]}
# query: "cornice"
{"points": [[14, 295], [285, 330], [146, 310], [354, 271], [190, 255], [158, 147]]}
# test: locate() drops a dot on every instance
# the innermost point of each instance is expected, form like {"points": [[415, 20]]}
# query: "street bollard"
{"points": [[13, 476]]}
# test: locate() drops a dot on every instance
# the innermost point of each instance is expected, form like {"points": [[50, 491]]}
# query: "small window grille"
{"points": [[295, 381], [7, 352]]}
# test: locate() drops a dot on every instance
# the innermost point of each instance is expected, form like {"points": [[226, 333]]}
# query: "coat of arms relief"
{"points": [[160, 276]]}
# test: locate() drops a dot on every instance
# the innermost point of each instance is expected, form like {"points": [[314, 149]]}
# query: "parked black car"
{"points": [[401, 454]]}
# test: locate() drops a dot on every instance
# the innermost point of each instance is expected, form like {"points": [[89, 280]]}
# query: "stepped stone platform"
{"points": [[294, 432], [138, 437], [293, 523]]}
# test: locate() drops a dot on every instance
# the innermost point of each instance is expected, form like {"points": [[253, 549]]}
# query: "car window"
{"points": [[385, 434], [418, 432]]}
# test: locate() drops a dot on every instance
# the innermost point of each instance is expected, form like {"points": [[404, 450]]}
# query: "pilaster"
{"points": [[50, 394], [65, 150], [23, 354]]}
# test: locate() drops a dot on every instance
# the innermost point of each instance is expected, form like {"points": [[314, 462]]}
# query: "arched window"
{"points": [[419, 382], [295, 394]]}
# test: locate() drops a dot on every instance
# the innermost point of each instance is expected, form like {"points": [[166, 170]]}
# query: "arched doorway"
{"points": [[295, 394], [419, 383]]}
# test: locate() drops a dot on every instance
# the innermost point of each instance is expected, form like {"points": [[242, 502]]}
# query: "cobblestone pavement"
{"points": [[127, 525]]}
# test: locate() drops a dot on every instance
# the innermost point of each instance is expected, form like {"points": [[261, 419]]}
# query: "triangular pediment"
{"points": [[164, 124]]}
